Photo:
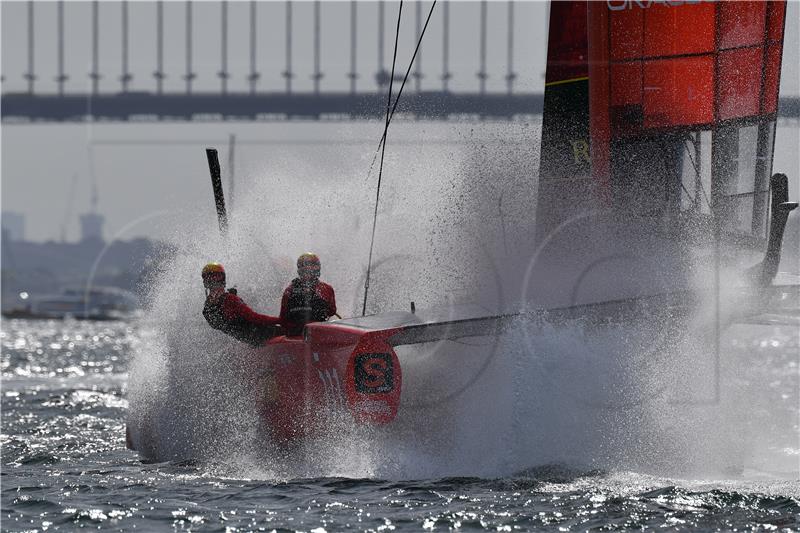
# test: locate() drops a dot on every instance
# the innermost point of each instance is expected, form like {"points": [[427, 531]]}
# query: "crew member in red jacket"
{"points": [[225, 311], [307, 299]]}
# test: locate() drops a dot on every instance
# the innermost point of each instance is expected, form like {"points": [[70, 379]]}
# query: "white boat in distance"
{"points": [[96, 303]]}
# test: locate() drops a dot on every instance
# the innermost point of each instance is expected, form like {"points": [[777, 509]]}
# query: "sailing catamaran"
{"points": [[657, 143]]}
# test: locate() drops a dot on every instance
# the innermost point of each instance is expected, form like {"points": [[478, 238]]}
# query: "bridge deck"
{"points": [[142, 106], [199, 106]]}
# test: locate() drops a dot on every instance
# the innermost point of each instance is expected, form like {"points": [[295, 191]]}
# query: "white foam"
{"points": [[631, 397]]}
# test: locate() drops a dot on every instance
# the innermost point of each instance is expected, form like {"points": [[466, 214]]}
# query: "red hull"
{"points": [[334, 370]]}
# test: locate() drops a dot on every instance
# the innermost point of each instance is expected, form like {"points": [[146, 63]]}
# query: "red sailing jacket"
{"points": [[302, 303], [229, 314]]}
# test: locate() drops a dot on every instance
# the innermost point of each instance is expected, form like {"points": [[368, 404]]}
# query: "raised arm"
{"points": [[234, 308]]}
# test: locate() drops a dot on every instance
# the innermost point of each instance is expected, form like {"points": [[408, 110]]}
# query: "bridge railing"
{"points": [[267, 46]]}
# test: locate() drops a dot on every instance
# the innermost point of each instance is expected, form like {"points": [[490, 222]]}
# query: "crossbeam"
{"points": [[142, 106]]}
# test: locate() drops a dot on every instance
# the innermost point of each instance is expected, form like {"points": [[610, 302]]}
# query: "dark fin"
{"points": [[764, 272]]}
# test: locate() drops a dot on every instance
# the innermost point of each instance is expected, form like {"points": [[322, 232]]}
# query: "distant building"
{"points": [[46, 268], [92, 227], [13, 226]]}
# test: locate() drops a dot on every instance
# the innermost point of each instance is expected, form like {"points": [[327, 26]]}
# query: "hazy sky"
{"points": [[154, 167]]}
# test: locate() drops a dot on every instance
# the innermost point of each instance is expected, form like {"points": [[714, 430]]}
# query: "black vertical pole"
{"points": [[381, 77], [216, 186], [317, 22], [288, 72], [762, 145], [95, 74], [61, 78], [717, 303], [418, 62], [698, 179], [482, 72], [188, 46], [30, 76], [159, 73], [446, 75], [126, 76], [719, 176], [223, 73], [189, 74], [253, 77], [353, 36], [231, 160], [511, 75]]}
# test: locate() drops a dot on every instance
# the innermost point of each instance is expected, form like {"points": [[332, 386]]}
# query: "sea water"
{"points": [[65, 464], [544, 428]]}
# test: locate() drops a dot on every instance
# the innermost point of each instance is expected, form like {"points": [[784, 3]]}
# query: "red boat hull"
{"points": [[332, 371]]}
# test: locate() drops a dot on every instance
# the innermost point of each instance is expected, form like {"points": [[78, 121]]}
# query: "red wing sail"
{"points": [[683, 105], [683, 100]]}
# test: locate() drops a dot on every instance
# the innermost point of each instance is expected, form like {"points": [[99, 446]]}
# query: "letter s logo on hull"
{"points": [[373, 379], [374, 373]]}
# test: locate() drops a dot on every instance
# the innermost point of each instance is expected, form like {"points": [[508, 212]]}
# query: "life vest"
{"points": [[305, 304], [238, 328]]}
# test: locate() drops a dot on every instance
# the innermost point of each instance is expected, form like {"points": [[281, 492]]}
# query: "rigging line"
{"points": [[380, 171], [685, 190], [683, 187], [697, 173], [400, 92], [665, 166]]}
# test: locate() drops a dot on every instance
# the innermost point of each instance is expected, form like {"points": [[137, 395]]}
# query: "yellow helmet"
{"points": [[213, 274], [308, 265], [308, 258]]}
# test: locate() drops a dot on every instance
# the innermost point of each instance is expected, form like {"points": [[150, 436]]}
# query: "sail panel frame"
{"points": [[628, 35], [742, 39], [678, 92], [739, 88], [772, 75], [741, 24], [672, 31], [776, 16]]}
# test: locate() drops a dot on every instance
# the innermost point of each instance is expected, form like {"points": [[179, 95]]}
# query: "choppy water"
{"points": [[64, 462]]}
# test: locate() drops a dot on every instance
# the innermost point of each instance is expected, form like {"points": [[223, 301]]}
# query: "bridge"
{"points": [[262, 106], [150, 101]]}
